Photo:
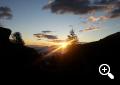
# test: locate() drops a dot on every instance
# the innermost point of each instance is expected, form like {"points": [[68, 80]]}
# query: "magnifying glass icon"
{"points": [[104, 69]]}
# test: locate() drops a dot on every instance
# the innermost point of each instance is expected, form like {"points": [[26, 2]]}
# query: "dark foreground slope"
{"points": [[80, 61], [84, 60]]}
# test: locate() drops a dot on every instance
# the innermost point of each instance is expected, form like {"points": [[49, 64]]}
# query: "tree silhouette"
{"points": [[73, 37], [17, 38]]}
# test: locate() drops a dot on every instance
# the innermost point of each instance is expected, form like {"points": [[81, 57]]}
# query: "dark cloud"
{"points": [[47, 31], [42, 35], [85, 6], [115, 13], [39, 35], [74, 6], [5, 12], [45, 34], [50, 36]]}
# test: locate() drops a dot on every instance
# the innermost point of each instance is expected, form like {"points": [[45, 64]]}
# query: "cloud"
{"points": [[115, 13], [57, 40], [39, 35], [100, 18], [74, 6], [85, 6], [5, 12], [46, 31], [42, 35], [50, 36], [89, 29], [50, 1]]}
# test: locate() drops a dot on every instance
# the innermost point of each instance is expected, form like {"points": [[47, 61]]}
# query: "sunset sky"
{"points": [[30, 18]]}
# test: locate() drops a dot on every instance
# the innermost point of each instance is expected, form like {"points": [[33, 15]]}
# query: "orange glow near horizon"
{"points": [[35, 42], [61, 47]]}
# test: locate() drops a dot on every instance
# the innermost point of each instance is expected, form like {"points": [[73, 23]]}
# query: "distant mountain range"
{"points": [[39, 49]]}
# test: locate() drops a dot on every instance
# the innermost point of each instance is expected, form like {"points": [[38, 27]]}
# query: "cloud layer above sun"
{"points": [[110, 7]]}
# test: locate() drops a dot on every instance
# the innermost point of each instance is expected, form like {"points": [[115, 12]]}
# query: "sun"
{"points": [[61, 48], [64, 45]]}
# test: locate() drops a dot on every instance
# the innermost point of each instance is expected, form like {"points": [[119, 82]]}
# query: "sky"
{"points": [[30, 18]]}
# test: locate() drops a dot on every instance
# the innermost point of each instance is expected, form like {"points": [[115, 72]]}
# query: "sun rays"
{"points": [[62, 47]]}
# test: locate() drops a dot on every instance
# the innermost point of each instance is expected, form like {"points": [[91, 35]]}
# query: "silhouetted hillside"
{"points": [[84, 60], [81, 60], [15, 58], [112, 37]]}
